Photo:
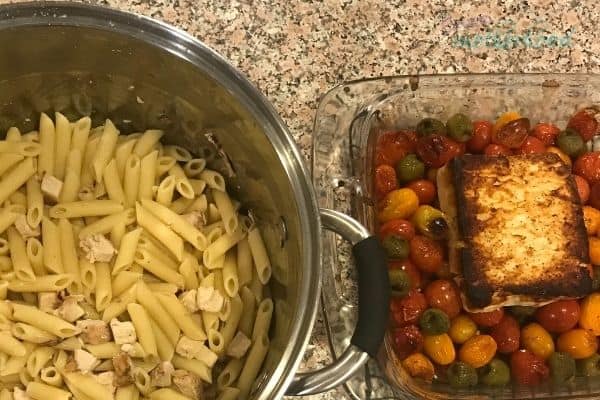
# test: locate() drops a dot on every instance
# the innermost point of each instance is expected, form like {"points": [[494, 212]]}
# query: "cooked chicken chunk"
{"points": [[123, 332], [106, 379], [190, 348], [188, 384], [97, 248], [209, 299], [48, 301], [25, 229], [238, 346], [196, 218], [86, 362], [51, 187], [70, 310], [162, 374], [122, 365], [94, 331], [19, 394], [188, 298]]}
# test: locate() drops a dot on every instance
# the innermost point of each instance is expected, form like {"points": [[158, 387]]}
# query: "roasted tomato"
{"points": [[489, 318], [407, 340], [385, 180], [413, 272], [507, 334], [482, 136], [532, 145], [494, 149], [393, 146], [585, 123], [399, 227], [578, 343], [559, 316], [436, 150], [407, 310], [583, 188], [527, 368], [427, 254], [424, 189], [443, 294], [588, 167], [545, 132], [513, 134]]}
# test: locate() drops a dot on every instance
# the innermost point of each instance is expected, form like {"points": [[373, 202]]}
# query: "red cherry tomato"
{"points": [[527, 368], [546, 132], [513, 134], [487, 319], [482, 136], [461, 149], [424, 189], [443, 294], [588, 166], [385, 180], [400, 227], [583, 188], [496, 150], [407, 310], [559, 316], [393, 146], [426, 253], [532, 145], [507, 334], [585, 123], [416, 278], [594, 199], [436, 150], [407, 340]]}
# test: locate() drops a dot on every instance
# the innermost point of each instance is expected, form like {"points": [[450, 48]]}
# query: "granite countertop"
{"points": [[294, 51]]}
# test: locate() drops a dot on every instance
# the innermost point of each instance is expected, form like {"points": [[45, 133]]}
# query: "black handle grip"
{"points": [[373, 295]]}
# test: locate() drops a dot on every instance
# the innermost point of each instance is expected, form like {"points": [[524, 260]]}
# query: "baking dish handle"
{"points": [[373, 307]]}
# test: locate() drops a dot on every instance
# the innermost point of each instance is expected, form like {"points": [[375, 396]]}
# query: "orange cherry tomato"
{"points": [[393, 146], [424, 189], [462, 329], [578, 343], [385, 180], [588, 166], [414, 274], [419, 366], [559, 316], [482, 136], [585, 123], [399, 227], [407, 340], [489, 318], [439, 348], [507, 334], [537, 340], [532, 145], [436, 150], [546, 132], [494, 149], [478, 351], [594, 249], [583, 188], [527, 368], [512, 134], [398, 204], [504, 119], [590, 313], [444, 295], [426, 253], [591, 218], [407, 310]]}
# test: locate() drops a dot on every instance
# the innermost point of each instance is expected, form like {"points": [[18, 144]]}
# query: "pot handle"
{"points": [[373, 307]]}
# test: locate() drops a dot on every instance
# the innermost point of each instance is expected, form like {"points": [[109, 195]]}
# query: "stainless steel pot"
{"points": [[85, 60]]}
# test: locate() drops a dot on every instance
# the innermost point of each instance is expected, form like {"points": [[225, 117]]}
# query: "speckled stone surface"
{"points": [[294, 51]]}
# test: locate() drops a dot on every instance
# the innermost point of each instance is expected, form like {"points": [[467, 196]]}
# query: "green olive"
{"points": [[461, 375], [589, 366], [410, 168], [434, 322], [459, 127], [495, 373], [400, 282], [522, 313], [396, 246], [429, 126], [562, 367], [571, 143]]}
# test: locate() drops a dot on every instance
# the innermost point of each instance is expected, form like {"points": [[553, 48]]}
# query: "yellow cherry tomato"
{"points": [[419, 366], [478, 351], [537, 340], [398, 204], [439, 348], [565, 158], [578, 343], [462, 329], [591, 217], [505, 119], [594, 249], [589, 317]]}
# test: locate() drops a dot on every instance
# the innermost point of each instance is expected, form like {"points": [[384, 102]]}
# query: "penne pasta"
{"points": [[35, 254], [104, 225], [259, 255], [112, 182], [131, 180], [62, 142], [188, 326], [39, 319], [147, 175], [146, 143], [103, 286], [15, 178], [164, 321], [70, 188], [141, 321], [225, 207], [81, 132], [18, 254], [68, 254], [163, 165], [182, 183], [47, 283], [47, 143], [105, 150], [160, 231], [31, 334], [51, 243], [256, 356]]}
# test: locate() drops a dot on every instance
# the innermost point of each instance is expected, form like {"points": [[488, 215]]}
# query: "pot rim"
{"points": [[184, 46]]}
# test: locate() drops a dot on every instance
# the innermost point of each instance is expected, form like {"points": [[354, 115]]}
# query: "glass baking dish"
{"points": [[348, 120]]}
